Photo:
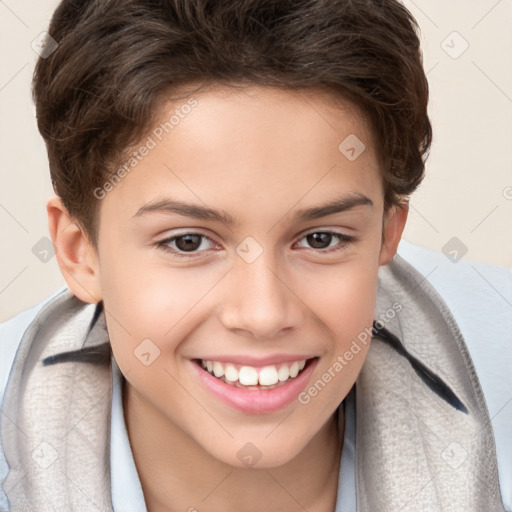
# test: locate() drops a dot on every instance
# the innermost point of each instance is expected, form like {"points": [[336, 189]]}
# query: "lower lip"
{"points": [[256, 401]]}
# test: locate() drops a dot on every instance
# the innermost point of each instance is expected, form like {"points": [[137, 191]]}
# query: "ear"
{"points": [[394, 224], [77, 258]]}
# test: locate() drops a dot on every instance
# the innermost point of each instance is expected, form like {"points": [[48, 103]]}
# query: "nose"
{"points": [[260, 301]]}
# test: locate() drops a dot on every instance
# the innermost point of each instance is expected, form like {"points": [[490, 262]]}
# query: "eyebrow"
{"points": [[169, 205]]}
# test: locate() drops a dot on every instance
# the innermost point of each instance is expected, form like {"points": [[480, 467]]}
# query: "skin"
{"points": [[259, 155]]}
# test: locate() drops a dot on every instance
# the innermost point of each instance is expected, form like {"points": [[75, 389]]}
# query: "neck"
{"points": [[178, 474]]}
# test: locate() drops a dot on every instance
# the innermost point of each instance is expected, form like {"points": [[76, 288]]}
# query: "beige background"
{"points": [[467, 193]]}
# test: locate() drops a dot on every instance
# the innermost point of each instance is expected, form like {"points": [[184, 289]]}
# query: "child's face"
{"points": [[256, 291]]}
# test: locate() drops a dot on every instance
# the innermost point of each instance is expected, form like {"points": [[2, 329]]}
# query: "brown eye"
{"points": [[319, 240], [189, 242], [187, 245], [325, 241]]}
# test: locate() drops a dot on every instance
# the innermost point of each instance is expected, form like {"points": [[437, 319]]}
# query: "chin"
{"points": [[260, 453]]}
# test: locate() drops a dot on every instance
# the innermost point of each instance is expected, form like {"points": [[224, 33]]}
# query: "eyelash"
{"points": [[344, 239]]}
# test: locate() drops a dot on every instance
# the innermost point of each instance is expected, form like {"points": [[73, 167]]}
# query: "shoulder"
{"points": [[479, 296], [454, 276], [11, 334]]}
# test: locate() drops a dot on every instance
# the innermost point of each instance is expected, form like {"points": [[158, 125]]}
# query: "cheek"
{"points": [[147, 301], [344, 302], [344, 297]]}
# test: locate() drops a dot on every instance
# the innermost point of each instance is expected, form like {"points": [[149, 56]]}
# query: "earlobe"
{"points": [[394, 225], [75, 254]]}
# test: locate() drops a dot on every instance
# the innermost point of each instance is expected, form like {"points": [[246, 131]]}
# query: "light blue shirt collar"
{"points": [[127, 495]]}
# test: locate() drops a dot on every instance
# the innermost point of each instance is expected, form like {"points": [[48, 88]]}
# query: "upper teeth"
{"points": [[250, 376]]}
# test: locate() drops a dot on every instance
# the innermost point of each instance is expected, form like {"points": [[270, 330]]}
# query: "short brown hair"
{"points": [[98, 92]]}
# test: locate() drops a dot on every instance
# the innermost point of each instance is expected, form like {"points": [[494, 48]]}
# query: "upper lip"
{"points": [[246, 360]]}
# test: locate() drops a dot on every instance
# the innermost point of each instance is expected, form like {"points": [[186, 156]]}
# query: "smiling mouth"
{"points": [[248, 377]]}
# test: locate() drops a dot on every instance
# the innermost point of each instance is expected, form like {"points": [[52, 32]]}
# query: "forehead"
{"points": [[259, 114], [240, 147]]}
